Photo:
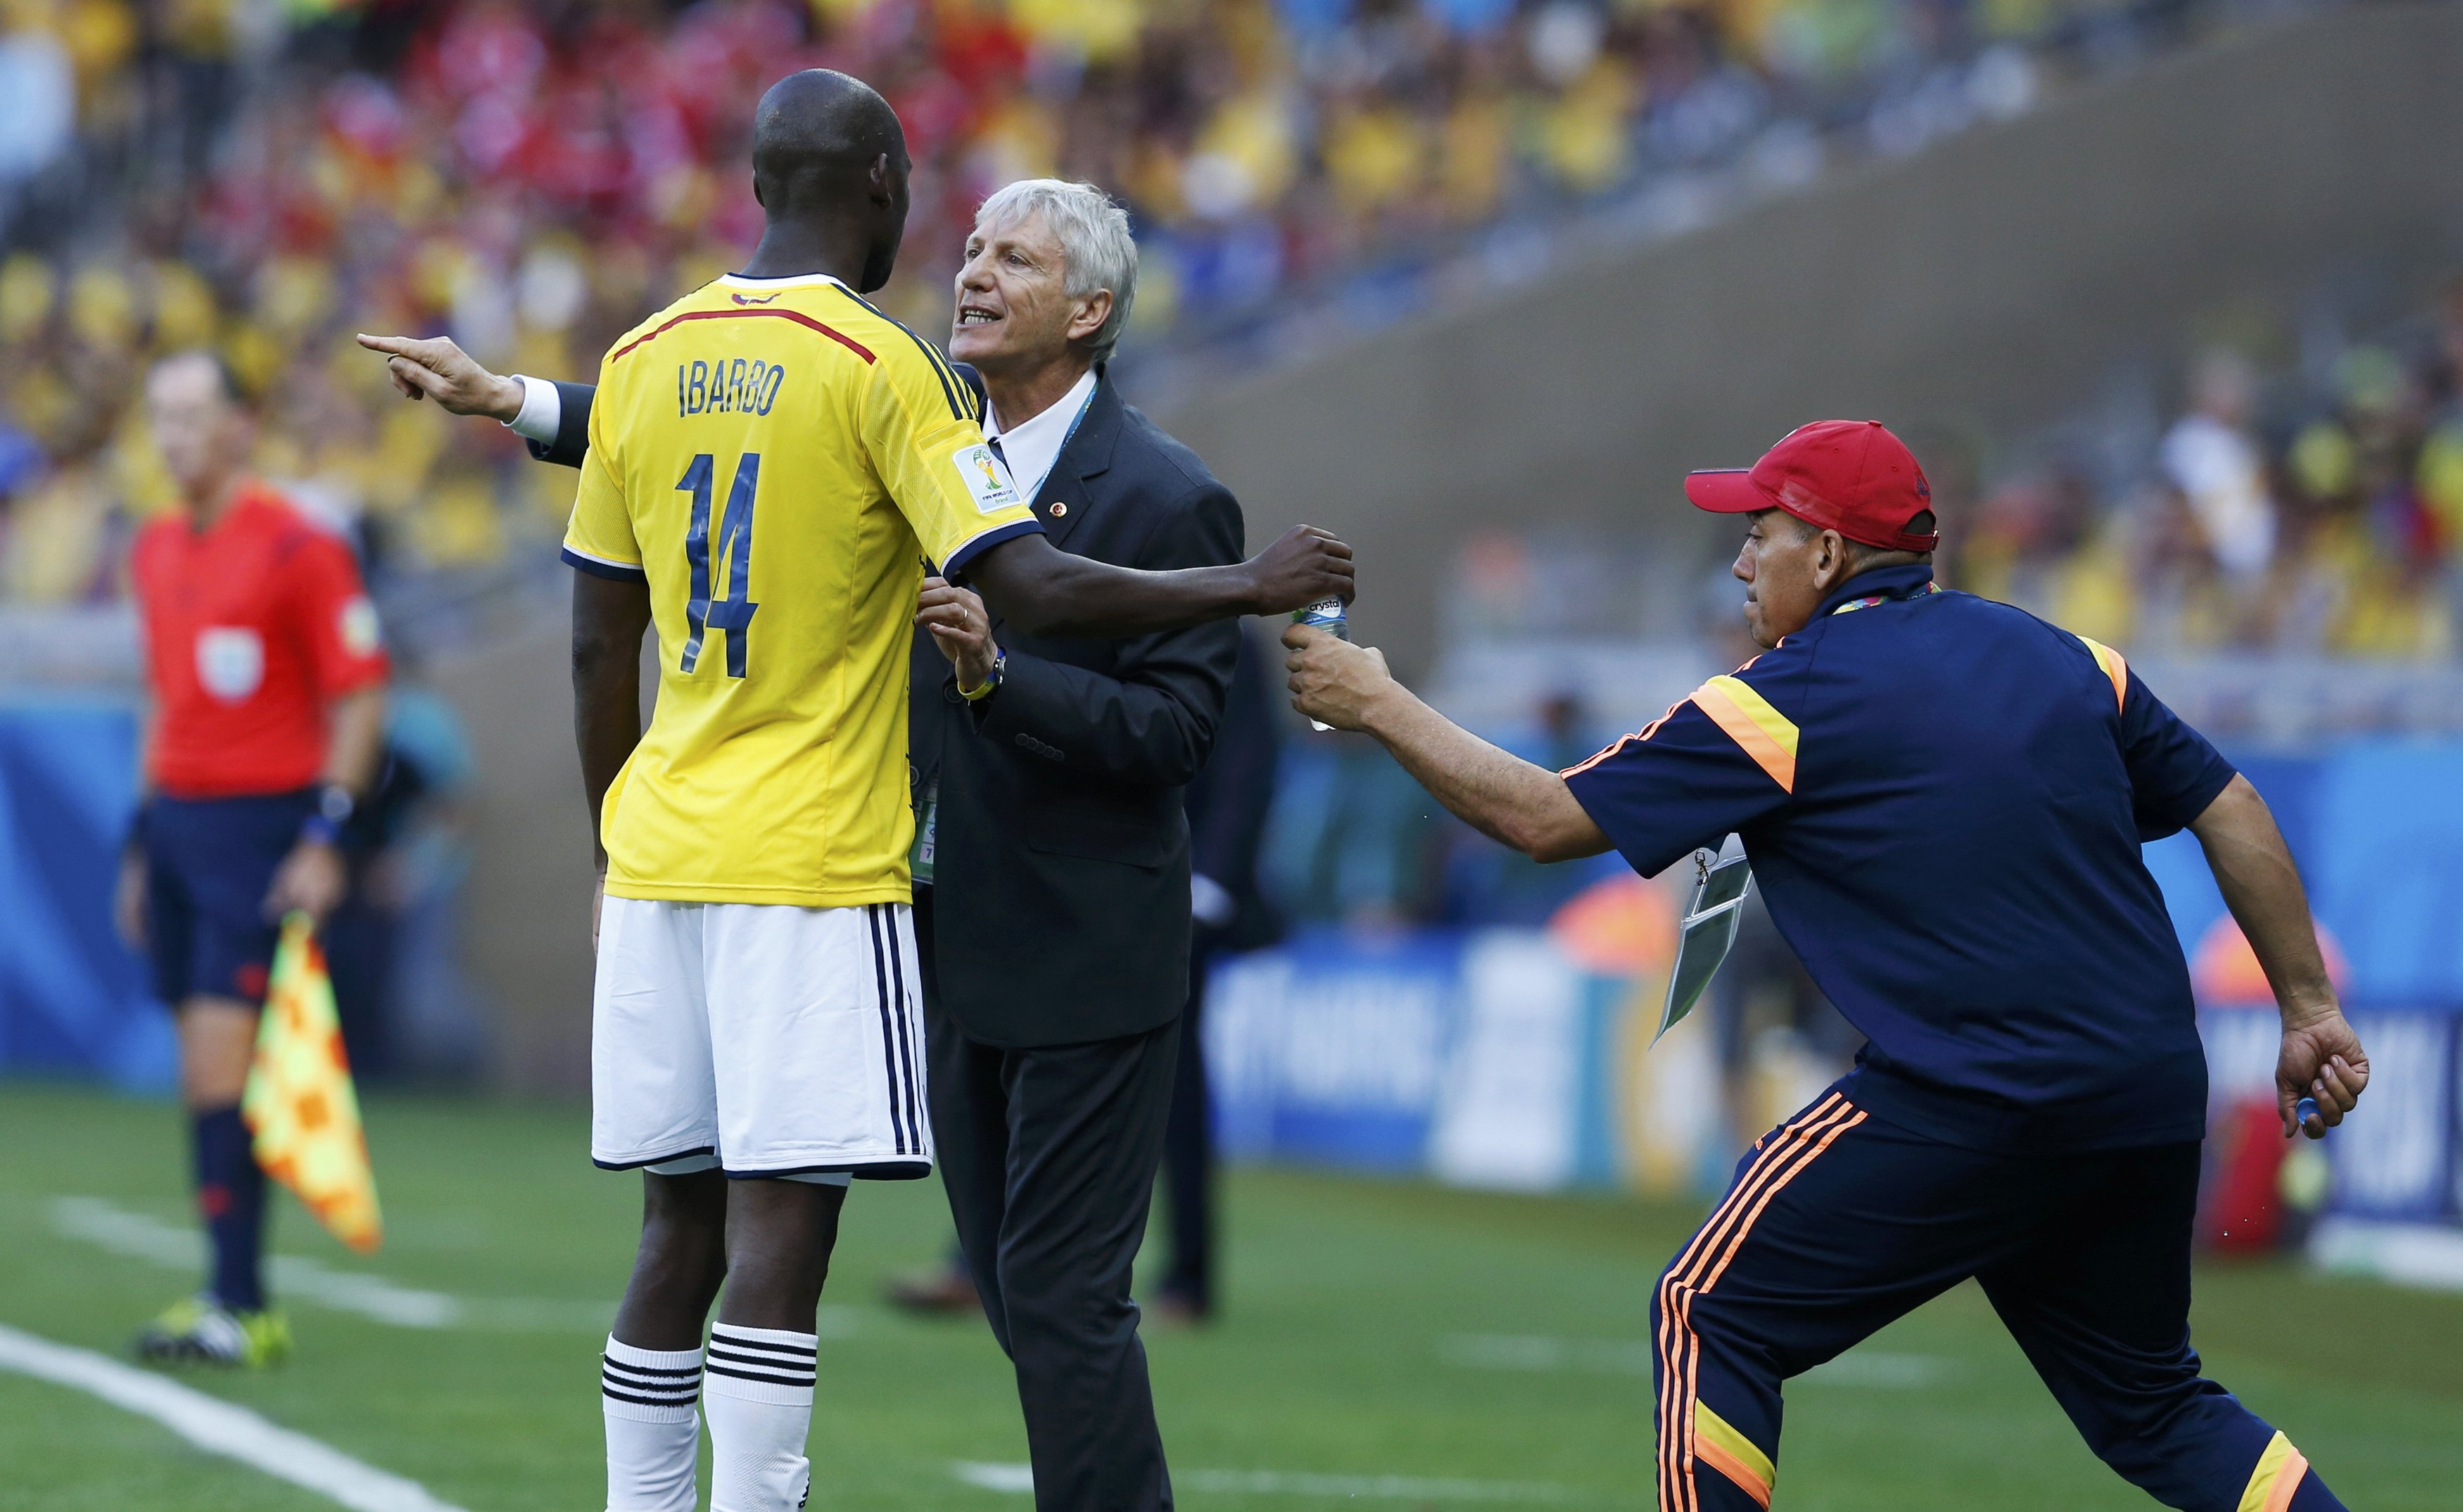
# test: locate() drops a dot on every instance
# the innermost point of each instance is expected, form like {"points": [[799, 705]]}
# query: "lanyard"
{"points": [[1885, 598], [1074, 420]]}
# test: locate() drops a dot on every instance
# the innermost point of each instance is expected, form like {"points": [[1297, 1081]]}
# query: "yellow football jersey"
{"points": [[775, 458]]}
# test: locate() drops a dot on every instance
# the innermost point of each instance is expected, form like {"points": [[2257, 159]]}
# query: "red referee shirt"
{"points": [[251, 627]]}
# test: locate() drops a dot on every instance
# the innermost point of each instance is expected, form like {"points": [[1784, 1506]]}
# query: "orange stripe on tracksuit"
{"points": [[1785, 1155]]}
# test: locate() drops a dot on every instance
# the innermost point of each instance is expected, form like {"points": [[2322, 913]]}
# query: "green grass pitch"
{"points": [[1478, 1348]]}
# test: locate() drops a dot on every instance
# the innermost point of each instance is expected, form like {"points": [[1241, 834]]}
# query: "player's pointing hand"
{"points": [[1306, 566], [436, 368], [1334, 682]]}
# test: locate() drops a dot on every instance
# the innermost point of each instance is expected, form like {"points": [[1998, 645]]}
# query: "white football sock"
{"points": [[647, 1397], [757, 1388]]}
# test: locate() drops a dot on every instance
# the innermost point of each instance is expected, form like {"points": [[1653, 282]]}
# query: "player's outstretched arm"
{"points": [[1045, 591], [2322, 1057], [609, 619], [1496, 793]]}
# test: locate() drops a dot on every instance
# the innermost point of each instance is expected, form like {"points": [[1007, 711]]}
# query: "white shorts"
{"points": [[766, 1039]]}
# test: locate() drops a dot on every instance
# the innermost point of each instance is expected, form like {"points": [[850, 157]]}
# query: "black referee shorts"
{"points": [[208, 864]]}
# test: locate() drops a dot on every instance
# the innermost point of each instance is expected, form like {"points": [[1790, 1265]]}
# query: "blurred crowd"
{"points": [[2299, 521], [2319, 513], [532, 174]]}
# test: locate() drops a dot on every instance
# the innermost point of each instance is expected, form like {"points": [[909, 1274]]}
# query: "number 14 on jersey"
{"points": [[733, 613]]}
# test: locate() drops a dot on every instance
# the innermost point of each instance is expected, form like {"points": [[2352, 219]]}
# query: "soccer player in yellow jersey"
{"points": [[771, 460]]}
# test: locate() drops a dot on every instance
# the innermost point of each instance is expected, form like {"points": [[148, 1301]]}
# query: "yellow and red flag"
{"points": [[300, 1103]]}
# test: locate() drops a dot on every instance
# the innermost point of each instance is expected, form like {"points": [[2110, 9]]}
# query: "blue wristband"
{"points": [[334, 807]]}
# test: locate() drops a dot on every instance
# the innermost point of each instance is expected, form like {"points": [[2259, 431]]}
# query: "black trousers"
{"points": [[1839, 1222], [1049, 1155]]}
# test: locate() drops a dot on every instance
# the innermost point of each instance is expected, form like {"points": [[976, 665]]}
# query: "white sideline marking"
{"points": [[218, 1427], [136, 1236], [139, 1235], [2407, 1254], [1497, 1352], [1019, 1479]]}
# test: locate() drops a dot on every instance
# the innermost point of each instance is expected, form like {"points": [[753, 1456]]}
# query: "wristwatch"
{"points": [[992, 684], [334, 807]]}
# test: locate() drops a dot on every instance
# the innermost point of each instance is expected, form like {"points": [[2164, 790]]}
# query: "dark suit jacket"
{"points": [[1060, 907], [572, 426], [1229, 801]]}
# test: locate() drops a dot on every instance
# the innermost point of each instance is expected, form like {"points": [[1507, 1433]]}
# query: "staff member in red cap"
{"points": [[268, 675], [1943, 799]]}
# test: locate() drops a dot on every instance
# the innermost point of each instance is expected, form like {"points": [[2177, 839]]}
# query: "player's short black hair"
{"points": [[813, 130]]}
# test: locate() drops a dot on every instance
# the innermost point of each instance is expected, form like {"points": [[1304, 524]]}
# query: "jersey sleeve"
{"points": [[1720, 760], [2173, 771], [598, 539], [345, 642], [932, 457]]}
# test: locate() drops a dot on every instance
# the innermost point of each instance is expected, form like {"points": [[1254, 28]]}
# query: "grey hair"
{"points": [[1097, 250]]}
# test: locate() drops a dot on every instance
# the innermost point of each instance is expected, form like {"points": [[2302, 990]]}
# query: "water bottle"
{"points": [[1327, 615]]}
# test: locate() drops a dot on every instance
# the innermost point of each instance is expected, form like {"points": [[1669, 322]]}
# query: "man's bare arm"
{"points": [[128, 911], [609, 619], [313, 878], [1496, 793], [1045, 591], [2322, 1057], [355, 749]]}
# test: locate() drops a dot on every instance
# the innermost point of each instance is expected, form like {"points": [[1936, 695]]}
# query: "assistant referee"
{"points": [[268, 673], [1944, 800]]}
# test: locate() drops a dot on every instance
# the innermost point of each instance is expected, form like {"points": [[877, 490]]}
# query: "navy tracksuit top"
{"points": [[1943, 798]]}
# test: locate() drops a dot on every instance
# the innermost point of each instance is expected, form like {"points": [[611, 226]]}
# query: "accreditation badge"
{"points": [[928, 821], [1708, 930]]}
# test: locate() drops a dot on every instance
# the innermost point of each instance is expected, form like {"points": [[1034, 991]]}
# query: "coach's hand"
{"points": [[2321, 1058], [1306, 566], [437, 369], [1332, 681], [311, 881], [961, 627]]}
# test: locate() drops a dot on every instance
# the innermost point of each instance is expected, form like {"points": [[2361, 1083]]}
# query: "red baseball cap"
{"points": [[1851, 476]]}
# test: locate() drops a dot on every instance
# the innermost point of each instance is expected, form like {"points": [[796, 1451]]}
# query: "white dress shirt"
{"points": [[542, 411], [1033, 446]]}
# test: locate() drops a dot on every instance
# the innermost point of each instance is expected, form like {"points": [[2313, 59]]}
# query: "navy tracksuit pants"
{"points": [[1837, 1222]]}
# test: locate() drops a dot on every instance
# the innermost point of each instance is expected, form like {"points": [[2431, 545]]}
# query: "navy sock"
{"points": [[231, 1199]]}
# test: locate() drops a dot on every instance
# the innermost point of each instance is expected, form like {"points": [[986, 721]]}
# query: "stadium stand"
{"points": [[265, 178], [2321, 513]]}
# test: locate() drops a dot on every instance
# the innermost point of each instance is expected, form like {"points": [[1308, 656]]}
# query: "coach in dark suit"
{"points": [[1052, 905], [1057, 938]]}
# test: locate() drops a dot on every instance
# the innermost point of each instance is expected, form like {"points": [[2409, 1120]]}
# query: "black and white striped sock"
{"points": [[758, 1395], [646, 1398]]}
